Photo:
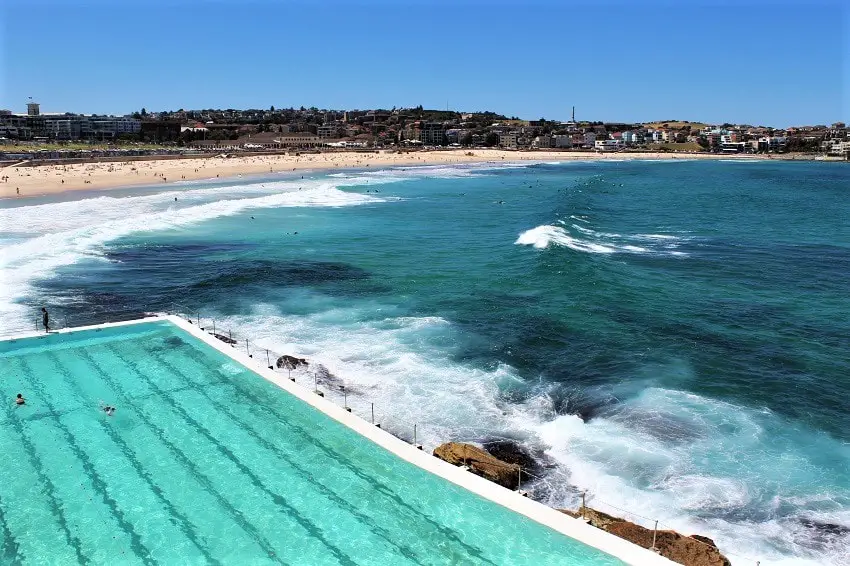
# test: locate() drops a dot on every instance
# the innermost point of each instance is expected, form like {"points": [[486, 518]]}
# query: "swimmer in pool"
{"points": [[19, 400]]}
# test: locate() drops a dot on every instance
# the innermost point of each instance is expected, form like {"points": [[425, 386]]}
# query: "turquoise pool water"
{"points": [[206, 462]]}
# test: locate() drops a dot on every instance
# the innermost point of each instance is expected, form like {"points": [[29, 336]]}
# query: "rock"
{"points": [[291, 362], [827, 528], [225, 339], [706, 540], [480, 462], [692, 550], [512, 453]]}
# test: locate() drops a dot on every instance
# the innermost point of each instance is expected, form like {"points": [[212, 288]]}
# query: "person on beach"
{"points": [[19, 400], [45, 319]]}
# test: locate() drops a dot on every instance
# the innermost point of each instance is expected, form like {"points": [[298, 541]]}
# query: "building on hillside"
{"points": [[632, 138], [299, 139], [432, 133], [66, 126], [562, 141], [771, 144], [508, 140], [14, 126], [836, 147], [327, 131], [542, 142], [608, 145], [196, 127]]}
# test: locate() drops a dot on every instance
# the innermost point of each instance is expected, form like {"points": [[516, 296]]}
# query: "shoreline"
{"points": [[52, 179]]}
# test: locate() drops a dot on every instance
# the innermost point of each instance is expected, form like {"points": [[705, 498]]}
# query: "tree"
{"points": [[271, 109], [144, 112], [467, 139], [492, 139]]}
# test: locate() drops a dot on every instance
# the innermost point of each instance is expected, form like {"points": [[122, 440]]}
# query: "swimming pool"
{"points": [[206, 462]]}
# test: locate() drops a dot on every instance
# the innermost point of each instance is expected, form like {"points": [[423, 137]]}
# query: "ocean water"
{"points": [[671, 337]]}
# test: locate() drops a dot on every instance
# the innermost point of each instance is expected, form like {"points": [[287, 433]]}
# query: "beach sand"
{"points": [[25, 181]]}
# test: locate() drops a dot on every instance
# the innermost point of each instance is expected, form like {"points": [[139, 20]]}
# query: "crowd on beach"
{"points": [[24, 180]]}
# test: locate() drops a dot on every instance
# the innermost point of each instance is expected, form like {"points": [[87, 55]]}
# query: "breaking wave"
{"points": [[590, 241]]}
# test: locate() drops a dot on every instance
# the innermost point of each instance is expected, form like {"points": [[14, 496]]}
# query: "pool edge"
{"points": [[570, 527]]}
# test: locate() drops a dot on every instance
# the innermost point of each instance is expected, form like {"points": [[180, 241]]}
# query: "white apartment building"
{"points": [[836, 147], [608, 145]]}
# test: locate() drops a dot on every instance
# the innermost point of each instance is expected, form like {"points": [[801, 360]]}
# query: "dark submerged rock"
{"points": [[291, 362]]}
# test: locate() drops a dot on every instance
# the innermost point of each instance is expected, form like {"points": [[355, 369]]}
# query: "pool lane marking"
{"points": [[9, 547], [98, 483], [279, 500], [284, 458], [32, 455], [196, 472], [331, 454], [184, 525]]}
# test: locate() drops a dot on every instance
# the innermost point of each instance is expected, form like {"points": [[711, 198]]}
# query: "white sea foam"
{"points": [[543, 236], [693, 463], [593, 241], [67, 232]]}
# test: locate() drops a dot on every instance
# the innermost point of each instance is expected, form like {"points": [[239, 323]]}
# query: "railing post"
{"points": [[268, 359], [247, 349], [345, 399], [373, 412], [518, 478], [654, 534], [583, 505], [213, 327], [230, 335], [414, 434]]}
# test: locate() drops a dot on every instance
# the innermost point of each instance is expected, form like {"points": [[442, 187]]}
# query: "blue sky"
{"points": [[775, 63]]}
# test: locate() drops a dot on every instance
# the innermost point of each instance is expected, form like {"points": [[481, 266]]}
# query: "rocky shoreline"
{"points": [[693, 550]]}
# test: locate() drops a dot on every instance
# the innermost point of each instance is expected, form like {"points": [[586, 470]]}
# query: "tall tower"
{"points": [[32, 108], [574, 115]]}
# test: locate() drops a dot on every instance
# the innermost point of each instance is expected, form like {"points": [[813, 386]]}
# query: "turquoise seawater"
{"points": [[205, 462], [670, 336]]}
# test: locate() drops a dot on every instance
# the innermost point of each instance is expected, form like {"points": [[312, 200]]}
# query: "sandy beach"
{"points": [[27, 181]]}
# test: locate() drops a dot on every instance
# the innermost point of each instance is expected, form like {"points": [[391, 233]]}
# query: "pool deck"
{"points": [[573, 528]]}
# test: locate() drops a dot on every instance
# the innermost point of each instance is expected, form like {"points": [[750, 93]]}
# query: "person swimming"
{"points": [[19, 400], [109, 410]]}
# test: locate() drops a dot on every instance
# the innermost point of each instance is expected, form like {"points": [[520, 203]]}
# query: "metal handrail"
{"points": [[268, 358]]}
